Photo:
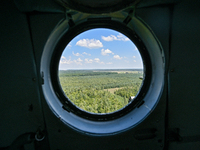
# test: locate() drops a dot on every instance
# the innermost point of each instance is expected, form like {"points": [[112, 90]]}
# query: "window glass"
{"points": [[101, 71]]}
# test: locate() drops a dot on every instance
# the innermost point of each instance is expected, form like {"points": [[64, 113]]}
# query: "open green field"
{"points": [[100, 91], [112, 90]]}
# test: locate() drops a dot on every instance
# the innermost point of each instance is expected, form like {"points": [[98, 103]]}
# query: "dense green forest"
{"points": [[100, 91]]}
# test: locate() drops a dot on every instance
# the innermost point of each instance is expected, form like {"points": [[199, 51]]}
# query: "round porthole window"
{"points": [[100, 71], [98, 75]]}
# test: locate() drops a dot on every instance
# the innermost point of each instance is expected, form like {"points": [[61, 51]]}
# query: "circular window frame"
{"points": [[117, 121], [78, 29]]}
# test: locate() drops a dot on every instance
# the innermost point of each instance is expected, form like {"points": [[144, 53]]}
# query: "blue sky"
{"points": [[100, 49]]}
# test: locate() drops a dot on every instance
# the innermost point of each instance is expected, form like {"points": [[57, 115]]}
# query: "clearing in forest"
{"points": [[112, 90]]}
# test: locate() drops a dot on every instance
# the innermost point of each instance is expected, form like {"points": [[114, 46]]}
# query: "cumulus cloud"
{"points": [[89, 43], [63, 60], [88, 60], [109, 63], [79, 60], [134, 57], [109, 38], [77, 54], [69, 46], [136, 49], [106, 52], [119, 37], [122, 37], [84, 53], [101, 63], [126, 61], [117, 57], [97, 60]]}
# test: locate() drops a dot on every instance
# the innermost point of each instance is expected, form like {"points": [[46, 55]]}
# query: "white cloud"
{"points": [[89, 43], [126, 61], [97, 60], [134, 57], [122, 37], [109, 63], [102, 62], [117, 57], [136, 49], [77, 54], [84, 53], [69, 46], [119, 37], [109, 38], [134, 60], [79, 60], [88, 60], [63, 60], [106, 52]]}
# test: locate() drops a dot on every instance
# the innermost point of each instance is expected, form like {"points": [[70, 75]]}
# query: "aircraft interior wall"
{"points": [[173, 124]]}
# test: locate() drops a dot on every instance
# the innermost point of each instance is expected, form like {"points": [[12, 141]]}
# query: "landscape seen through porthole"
{"points": [[101, 71]]}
